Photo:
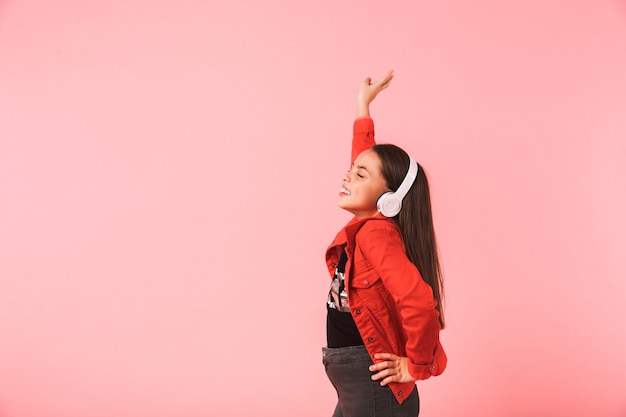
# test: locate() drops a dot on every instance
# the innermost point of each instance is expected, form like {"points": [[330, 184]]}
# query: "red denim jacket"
{"points": [[393, 308]]}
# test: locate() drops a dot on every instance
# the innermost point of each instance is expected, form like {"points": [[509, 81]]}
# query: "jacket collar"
{"points": [[349, 231]]}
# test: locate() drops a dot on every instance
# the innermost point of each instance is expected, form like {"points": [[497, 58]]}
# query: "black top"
{"points": [[341, 330]]}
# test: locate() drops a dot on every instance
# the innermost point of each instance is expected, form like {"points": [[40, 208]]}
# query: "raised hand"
{"points": [[368, 92]]}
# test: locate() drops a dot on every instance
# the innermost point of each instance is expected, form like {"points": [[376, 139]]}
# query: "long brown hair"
{"points": [[415, 220]]}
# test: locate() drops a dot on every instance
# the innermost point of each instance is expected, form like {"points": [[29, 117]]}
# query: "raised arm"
{"points": [[363, 137]]}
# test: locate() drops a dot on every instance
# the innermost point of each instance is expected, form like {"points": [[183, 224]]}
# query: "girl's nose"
{"points": [[346, 176]]}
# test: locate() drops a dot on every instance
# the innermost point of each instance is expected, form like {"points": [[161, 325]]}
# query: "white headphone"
{"points": [[390, 203]]}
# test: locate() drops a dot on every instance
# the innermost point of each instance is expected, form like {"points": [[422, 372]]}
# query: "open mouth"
{"points": [[345, 191]]}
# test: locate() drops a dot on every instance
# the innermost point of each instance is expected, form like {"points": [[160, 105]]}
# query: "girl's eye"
{"points": [[360, 176]]}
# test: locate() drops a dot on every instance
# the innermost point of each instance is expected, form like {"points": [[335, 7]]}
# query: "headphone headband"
{"points": [[408, 181]]}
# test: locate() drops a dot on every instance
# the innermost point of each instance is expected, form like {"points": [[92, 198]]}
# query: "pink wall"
{"points": [[168, 181]]}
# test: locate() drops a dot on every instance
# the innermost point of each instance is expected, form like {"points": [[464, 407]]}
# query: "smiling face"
{"points": [[363, 185]]}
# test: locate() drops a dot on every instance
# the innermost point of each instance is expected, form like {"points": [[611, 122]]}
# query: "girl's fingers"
{"points": [[387, 376], [385, 373], [392, 368], [382, 365], [384, 83], [387, 356], [386, 79]]}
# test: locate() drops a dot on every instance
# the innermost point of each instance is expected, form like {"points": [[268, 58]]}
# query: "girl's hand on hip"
{"points": [[392, 369]]}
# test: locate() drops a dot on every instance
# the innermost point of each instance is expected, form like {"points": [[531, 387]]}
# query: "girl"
{"points": [[384, 305]]}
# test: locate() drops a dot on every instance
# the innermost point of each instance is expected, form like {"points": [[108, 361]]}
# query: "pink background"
{"points": [[168, 182]]}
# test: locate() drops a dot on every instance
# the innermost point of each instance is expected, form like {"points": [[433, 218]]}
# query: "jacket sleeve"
{"points": [[363, 136], [417, 306]]}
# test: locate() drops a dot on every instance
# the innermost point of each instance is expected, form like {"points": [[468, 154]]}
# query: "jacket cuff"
{"points": [[438, 365], [363, 124], [420, 372]]}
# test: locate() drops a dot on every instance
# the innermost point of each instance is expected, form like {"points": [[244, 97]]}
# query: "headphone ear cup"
{"points": [[389, 204]]}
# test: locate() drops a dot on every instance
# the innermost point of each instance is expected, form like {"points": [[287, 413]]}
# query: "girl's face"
{"points": [[363, 185]]}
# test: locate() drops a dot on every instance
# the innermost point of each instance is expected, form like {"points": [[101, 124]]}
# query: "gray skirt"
{"points": [[357, 394]]}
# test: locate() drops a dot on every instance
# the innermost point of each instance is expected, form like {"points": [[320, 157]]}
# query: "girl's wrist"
{"points": [[362, 110]]}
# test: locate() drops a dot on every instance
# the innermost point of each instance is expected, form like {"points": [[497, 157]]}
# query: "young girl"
{"points": [[384, 305]]}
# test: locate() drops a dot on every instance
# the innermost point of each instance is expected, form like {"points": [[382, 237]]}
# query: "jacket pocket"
{"points": [[363, 274]]}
